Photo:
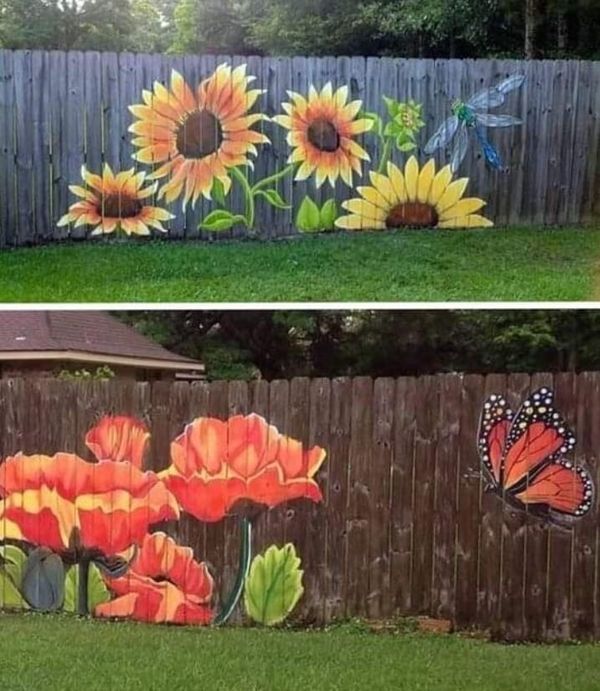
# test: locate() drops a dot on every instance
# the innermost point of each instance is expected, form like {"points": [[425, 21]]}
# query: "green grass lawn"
{"points": [[38, 652], [515, 264]]}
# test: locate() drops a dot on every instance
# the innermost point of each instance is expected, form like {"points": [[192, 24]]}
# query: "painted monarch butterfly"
{"points": [[523, 455]]}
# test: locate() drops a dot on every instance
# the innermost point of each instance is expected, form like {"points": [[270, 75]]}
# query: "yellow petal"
{"points": [[397, 179], [463, 207], [411, 178], [453, 193], [384, 186], [365, 209], [371, 194], [472, 221], [439, 185], [425, 181]]}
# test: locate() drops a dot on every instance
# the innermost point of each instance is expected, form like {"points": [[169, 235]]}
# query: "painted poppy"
{"points": [[216, 464], [165, 585], [119, 438], [80, 509]]}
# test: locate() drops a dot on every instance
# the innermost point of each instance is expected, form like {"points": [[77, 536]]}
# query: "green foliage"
{"points": [[312, 219], [220, 220], [274, 198], [274, 585], [103, 373], [98, 593], [12, 565]]}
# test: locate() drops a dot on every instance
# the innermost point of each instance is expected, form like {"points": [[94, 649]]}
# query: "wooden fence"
{"points": [[61, 110], [406, 528]]}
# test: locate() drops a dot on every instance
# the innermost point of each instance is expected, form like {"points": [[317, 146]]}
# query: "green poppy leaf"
{"points": [[220, 220], [329, 214], [274, 199], [12, 562], [98, 592], [309, 216], [274, 585]]}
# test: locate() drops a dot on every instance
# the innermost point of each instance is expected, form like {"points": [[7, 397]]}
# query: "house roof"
{"points": [[83, 336]]}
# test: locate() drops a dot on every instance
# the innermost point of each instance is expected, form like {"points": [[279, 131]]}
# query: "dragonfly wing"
{"points": [[461, 147], [443, 135], [510, 83], [488, 98], [489, 120]]}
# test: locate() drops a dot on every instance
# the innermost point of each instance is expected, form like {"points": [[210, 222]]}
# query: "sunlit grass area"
{"points": [[59, 653], [510, 264]]}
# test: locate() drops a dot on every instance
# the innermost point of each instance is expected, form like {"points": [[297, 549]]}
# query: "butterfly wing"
{"points": [[562, 487], [538, 435], [494, 426]]}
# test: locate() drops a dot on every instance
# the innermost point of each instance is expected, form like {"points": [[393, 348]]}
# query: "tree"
{"points": [[66, 24]]}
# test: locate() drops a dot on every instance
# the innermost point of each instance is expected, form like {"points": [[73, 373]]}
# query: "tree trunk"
{"points": [[531, 24], [562, 31]]}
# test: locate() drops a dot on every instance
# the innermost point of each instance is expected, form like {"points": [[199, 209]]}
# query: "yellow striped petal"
{"points": [[356, 222], [365, 209], [472, 221], [384, 186], [453, 193], [397, 180], [439, 185], [372, 195]]}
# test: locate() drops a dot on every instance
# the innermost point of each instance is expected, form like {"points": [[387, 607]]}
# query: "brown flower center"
{"points": [[121, 206], [323, 135], [200, 135], [412, 215]]}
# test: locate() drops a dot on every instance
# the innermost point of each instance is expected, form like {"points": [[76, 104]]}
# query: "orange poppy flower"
{"points": [[164, 585], [216, 464], [119, 438], [115, 201], [72, 506], [323, 130], [197, 136]]}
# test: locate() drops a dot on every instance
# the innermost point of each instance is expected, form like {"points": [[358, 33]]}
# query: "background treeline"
{"points": [[282, 344], [407, 28]]}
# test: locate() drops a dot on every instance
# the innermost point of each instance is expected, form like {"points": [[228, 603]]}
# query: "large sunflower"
{"points": [[111, 201], [197, 136], [413, 199], [322, 131]]}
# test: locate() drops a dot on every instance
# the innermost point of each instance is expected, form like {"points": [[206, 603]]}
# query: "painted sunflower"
{"points": [[414, 199], [115, 201], [196, 137], [322, 131]]}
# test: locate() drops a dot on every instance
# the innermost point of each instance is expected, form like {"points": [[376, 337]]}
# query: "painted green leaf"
{"points": [[393, 106], [274, 585], [377, 126], [218, 192], [98, 592], [221, 220], [43, 583], [329, 214], [309, 217], [274, 199], [404, 145], [12, 564]]}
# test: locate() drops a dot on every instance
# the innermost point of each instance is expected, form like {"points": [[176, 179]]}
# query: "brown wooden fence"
{"points": [[406, 527], [59, 111]]}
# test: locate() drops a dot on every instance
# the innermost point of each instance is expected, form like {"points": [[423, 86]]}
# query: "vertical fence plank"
{"points": [[8, 202], [359, 506], [338, 469]]}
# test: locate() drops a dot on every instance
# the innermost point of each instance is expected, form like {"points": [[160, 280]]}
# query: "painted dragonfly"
{"points": [[472, 116]]}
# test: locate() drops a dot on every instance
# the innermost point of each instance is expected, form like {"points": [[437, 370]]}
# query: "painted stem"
{"points": [[385, 156], [82, 590], [274, 178], [235, 596], [249, 195]]}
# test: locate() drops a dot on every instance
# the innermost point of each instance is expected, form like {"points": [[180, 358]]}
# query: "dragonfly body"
{"points": [[473, 117]]}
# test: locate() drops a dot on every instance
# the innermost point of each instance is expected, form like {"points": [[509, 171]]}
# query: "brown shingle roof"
{"points": [[82, 331]]}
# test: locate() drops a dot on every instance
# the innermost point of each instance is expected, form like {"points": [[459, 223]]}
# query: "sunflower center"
{"points": [[323, 135], [412, 215], [200, 135], [121, 206]]}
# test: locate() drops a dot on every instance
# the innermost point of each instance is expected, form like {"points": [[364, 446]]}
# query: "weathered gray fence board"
{"points": [[59, 111]]}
